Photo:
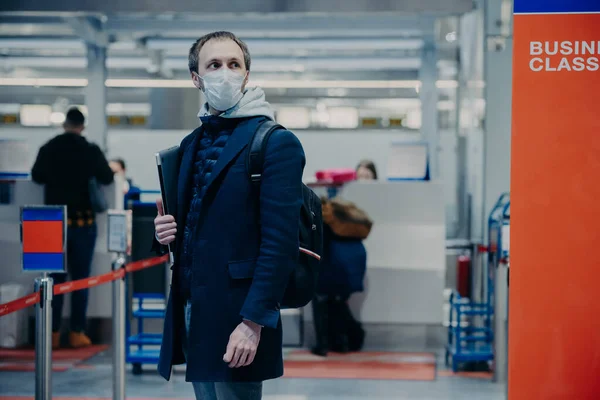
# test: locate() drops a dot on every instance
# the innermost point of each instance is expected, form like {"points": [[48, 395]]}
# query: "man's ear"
{"points": [[197, 81]]}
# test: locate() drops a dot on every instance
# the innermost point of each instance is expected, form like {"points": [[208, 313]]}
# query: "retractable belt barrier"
{"points": [[72, 286]]}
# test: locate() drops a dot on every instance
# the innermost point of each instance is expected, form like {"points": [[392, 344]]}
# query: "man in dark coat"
{"points": [[235, 247]]}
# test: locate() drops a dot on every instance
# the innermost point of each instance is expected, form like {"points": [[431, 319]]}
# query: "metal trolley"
{"points": [[146, 290], [471, 328]]}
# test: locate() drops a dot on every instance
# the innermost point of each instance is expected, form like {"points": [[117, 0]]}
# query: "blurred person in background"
{"points": [[65, 165], [234, 248], [343, 271], [366, 171], [129, 189]]}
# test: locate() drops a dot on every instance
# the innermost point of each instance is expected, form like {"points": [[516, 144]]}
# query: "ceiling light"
{"points": [[268, 84], [338, 92], [58, 82], [451, 37], [330, 84], [446, 84], [57, 118], [150, 83], [35, 115]]}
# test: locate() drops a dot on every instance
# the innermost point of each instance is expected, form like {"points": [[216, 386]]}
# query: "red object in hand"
{"points": [[336, 175]]}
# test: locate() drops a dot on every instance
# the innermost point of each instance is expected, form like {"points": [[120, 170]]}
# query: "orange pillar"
{"points": [[554, 317]]}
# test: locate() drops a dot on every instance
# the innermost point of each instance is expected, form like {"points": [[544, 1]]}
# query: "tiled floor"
{"points": [[93, 380]]}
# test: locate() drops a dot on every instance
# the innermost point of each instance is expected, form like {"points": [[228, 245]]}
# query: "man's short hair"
{"points": [[74, 118], [220, 35]]}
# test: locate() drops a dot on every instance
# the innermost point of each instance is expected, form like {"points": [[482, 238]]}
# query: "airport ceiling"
{"points": [[439, 7], [288, 39]]}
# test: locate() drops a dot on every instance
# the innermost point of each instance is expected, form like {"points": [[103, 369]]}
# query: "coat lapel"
{"points": [[238, 140]]}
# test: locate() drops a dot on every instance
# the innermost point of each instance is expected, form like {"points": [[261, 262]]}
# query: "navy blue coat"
{"points": [[240, 266]]}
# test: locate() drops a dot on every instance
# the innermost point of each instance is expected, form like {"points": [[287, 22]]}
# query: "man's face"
{"points": [[217, 54]]}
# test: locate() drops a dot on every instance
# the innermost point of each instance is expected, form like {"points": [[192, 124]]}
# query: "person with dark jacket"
{"points": [[235, 247], [130, 191], [65, 165], [343, 270]]}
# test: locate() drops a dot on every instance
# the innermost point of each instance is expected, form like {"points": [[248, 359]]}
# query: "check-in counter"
{"points": [[405, 253], [26, 192]]}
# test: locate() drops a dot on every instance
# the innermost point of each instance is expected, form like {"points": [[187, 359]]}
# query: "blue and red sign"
{"points": [[556, 6], [43, 238]]}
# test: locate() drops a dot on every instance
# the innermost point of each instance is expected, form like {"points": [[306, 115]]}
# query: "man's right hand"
{"points": [[164, 225]]}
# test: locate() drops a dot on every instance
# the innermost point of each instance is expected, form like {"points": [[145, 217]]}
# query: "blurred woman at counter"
{"points": [[342, 274], [366, 171]]}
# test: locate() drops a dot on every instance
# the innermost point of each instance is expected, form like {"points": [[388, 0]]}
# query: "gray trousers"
{"points": [[222, 390]]}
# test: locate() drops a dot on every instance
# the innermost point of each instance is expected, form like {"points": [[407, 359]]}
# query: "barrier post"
{"points": [[118, 311], [501, 323], [117, 243], [43, 339]]}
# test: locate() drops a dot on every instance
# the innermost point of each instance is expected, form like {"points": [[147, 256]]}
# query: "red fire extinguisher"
{"points": [[463, 275]]}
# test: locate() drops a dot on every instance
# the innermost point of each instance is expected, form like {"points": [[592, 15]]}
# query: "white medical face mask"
{"points": [[223, 88]]}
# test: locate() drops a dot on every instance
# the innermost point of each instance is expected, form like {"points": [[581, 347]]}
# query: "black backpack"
{"points": [[302, 285]]}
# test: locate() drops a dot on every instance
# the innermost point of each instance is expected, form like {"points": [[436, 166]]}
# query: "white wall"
{"points": [[324, 149]]}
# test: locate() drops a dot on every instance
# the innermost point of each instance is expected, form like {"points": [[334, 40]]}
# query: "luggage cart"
{"points": [[146, 289], [504, 238], [471, 329], [147, 345]]}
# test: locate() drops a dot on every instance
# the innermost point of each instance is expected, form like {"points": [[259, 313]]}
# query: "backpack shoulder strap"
{"points": [[257, 149]]}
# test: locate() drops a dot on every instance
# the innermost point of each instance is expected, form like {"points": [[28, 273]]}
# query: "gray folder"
{"points": [[167, 162]]}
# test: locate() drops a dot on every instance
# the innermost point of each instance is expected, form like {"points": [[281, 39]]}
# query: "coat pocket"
{"points": [[242, 269]]}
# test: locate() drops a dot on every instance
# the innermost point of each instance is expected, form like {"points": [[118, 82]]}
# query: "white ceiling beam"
{"points": [[180, 47], [298, 45], [437, 7], [89, 30], [319, 64], [272, 24], [258, 65], [41, 43], [265, 83]]}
